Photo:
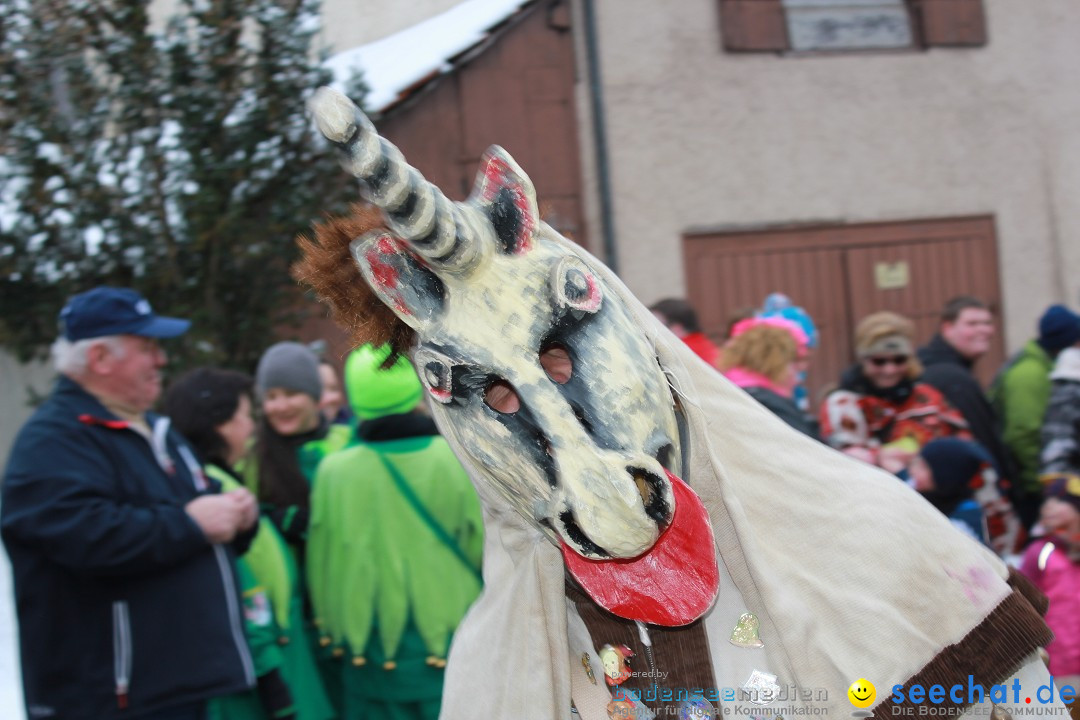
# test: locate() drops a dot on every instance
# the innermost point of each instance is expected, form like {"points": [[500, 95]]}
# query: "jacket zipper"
{"points": [[159, 448], [122, 652], [236, 625], [233, 605]]}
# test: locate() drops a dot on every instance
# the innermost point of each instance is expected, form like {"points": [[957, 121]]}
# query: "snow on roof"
{"points": [[396, 62]]}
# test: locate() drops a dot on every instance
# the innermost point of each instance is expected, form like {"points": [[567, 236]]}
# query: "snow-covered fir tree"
{"points": [[180, 162]]}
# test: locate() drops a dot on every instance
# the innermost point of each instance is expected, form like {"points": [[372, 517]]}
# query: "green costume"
{"points": [[1020, 395], [308, 457], [292, 523], [273, 613], [394, 548]]}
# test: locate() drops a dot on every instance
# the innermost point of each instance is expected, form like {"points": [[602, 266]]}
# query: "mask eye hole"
{"points": [[501, 397], [556, 361]]}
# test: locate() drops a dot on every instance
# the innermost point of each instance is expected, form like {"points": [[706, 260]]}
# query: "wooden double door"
{"points": [[842, 273]]}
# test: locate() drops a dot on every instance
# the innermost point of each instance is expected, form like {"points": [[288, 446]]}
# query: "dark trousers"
{"points": [[191, 711]]}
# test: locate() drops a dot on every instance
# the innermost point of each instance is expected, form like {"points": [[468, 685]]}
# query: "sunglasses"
{"points": [[894, 360]]}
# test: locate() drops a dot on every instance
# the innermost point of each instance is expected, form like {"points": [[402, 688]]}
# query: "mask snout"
{"points": [[618, 515]]}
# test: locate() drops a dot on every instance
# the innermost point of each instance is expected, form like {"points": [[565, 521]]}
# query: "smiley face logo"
{"points": [[862, 693]]}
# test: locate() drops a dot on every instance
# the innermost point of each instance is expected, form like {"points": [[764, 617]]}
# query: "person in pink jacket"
{"points": [[1053, 563]]}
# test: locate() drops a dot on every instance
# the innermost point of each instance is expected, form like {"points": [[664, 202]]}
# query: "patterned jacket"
{"points": [[1061, 425]]}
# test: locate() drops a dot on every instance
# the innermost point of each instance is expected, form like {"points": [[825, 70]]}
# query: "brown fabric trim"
{"points": [[1029, 590], [680, 652], [990, 653]]}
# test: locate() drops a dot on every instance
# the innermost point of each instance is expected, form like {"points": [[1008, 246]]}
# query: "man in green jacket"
{"points": [[1020, 394]]}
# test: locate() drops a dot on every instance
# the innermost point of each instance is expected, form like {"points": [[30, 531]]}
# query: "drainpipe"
{"points": [[600, 138]]}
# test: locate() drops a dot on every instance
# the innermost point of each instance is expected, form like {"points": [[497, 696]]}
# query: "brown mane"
{"points": [[329, 269]]}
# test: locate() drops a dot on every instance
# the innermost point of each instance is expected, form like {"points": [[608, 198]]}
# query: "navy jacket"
{"points": [[951, 373], [124, 607]]}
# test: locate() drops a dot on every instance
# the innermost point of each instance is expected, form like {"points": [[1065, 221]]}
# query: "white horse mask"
{"points": [[539, 373]]}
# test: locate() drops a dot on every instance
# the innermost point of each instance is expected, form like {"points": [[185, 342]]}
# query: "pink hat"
{"points": [[775, 321]]}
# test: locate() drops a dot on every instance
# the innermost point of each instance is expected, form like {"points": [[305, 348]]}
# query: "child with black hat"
{"points": [[959, 478]]}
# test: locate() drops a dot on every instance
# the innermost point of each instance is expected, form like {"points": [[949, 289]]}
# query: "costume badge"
{"points": [[257, 609], [587, 664], [761, 688], [616, 659], [745, 633]]}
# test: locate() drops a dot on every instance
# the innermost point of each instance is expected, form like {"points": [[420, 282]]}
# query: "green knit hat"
{"points": [[374, 392]]}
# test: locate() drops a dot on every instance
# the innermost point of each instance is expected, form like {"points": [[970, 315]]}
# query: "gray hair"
{"points": [[70, 357]]}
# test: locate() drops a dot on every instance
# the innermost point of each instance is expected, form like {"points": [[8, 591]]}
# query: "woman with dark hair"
{"points": [[292, 438], [212, 409]]}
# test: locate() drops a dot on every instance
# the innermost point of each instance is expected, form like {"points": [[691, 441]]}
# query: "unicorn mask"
{"points": [[537, 372]]}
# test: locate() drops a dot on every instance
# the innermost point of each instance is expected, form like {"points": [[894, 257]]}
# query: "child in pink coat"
{"points": [[1053, 563]]}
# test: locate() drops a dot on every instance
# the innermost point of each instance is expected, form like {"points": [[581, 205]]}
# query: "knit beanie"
{"points": [[1059, 328], [780, 305], [954, 463], [1064, 487], [373, 391], [291, 366]]}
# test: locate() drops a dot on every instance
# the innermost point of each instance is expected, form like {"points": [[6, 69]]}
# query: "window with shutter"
{"points": [[839, 25]]}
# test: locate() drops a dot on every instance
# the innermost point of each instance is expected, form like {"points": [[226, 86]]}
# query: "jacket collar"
{"points": [[77, 400], [1068, 365], [939, 351]]}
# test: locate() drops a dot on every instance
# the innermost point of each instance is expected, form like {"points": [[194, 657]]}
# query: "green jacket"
{"points": [[273, 612], [389, 585], [1020, 394]]}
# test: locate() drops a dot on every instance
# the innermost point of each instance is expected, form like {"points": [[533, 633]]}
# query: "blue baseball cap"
{"points": [[115, 311]]}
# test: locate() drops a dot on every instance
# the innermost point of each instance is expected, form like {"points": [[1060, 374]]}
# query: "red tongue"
{"points": [[674, 583]]}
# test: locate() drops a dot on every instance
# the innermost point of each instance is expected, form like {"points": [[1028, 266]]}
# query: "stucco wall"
{"points": [[702, 138], [348, 23]]}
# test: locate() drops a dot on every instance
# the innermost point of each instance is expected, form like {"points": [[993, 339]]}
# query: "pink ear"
{"points": [[507, 196], [399, 278]]}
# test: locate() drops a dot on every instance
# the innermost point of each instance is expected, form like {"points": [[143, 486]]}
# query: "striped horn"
{"points": [[416, 211]]}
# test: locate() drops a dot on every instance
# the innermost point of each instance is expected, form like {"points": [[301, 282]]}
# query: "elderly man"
{"points": [[119, 544]]}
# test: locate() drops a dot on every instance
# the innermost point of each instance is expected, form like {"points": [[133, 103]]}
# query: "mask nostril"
{"points": [[575, 533], [650, 487], [643, 486]]}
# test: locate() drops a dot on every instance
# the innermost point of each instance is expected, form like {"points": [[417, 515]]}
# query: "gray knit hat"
{"points": [[289, 365]]}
